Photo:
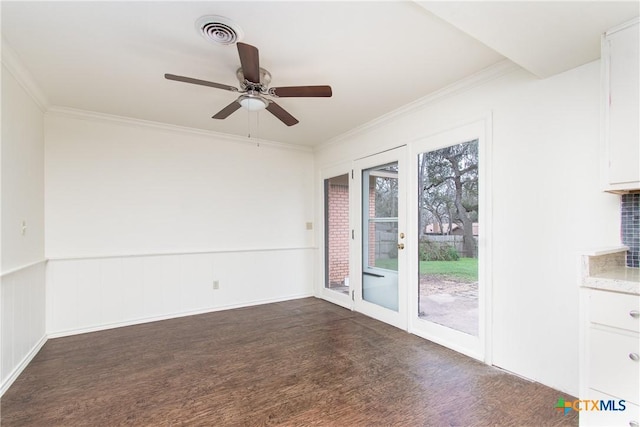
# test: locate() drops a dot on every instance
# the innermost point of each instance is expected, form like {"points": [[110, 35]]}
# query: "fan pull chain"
{"points": [[249, 124], [257, 127], [258, 131]]}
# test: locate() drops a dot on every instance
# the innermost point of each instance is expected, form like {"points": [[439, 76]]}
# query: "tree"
{"points": [[449, 189], [386, 191]]}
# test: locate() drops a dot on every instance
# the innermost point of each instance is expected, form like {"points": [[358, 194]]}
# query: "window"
{"points": [[336, 233], [448, 206]]}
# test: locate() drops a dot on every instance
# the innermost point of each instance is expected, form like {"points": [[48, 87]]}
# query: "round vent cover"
{"points": [[218, 29]]}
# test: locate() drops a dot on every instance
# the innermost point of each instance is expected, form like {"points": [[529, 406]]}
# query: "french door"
{"points": [[407, 237], [380, 237], [449, 295]]}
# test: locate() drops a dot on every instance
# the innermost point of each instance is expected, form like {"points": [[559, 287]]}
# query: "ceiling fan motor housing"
{"points": [[265, 77]]}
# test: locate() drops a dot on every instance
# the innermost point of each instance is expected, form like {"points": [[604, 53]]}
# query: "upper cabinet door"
{"points": [[621, 130]]}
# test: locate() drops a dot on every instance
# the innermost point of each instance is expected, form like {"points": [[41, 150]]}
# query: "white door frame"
{"points": [[480, 347], [476, 347], [338, 298], [399, 318]]}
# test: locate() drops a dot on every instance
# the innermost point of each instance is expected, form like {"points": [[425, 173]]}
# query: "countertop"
{"points": [[621, 279], [605, 269]]}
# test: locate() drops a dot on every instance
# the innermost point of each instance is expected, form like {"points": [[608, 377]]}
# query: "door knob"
{"points": [[400, 246]]}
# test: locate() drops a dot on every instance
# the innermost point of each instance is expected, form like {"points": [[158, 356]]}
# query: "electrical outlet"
{"points": [[216, 284], [309, 226]]}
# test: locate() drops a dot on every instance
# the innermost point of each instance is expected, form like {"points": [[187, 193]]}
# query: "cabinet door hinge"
{"points": [[353, 293], [351, 173], [353, 235]]}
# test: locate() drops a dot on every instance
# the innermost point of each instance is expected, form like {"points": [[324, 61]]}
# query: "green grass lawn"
{"points": [[464, 269]]}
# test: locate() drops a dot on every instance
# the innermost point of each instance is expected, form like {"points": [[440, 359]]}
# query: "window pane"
{"points": [[336, 218], [448, 224], [383, 245], [384, 191], [380, 235], [380, 213]]}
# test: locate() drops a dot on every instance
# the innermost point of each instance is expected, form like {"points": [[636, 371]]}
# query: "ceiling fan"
{"points": [[254, 83]]}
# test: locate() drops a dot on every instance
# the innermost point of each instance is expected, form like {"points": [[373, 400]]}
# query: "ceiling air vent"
{"points": [[218, 29]]}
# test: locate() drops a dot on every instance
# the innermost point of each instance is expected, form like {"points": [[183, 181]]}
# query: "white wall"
{"points": [[22, 296], [142, 218], [120, 188], [22, 286], [546, 204], [22, 176], [98, 293]]}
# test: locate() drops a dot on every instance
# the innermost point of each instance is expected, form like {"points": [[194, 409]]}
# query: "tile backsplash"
{"points": [[630, 227]]}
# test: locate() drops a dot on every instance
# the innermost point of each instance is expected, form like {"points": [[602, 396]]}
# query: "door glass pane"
{"points": [[448, 248], [336, 233], [380, 235]]}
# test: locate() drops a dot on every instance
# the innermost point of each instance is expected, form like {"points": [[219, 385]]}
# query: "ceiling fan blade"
{"points": [[301, 91], [281, 114], [226, 111], [199, 82], [250, 62]]}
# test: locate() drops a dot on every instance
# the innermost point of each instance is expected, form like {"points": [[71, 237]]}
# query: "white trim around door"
{"points": [[476, 345], [379, 246]]}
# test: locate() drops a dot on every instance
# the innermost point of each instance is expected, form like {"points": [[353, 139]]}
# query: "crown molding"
{"points": [[492, 72], [622, 26], [149, 124], [14, 66]]}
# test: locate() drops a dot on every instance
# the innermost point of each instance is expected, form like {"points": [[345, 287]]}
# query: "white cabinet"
{"points": [[608, 419], [611, 369], [621, 112], [609, 365]]}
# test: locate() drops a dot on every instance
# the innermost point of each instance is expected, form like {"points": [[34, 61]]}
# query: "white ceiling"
{"points": [[110, 57], [543, 37]]}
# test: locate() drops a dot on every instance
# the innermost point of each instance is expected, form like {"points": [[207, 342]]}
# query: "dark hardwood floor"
{"points": [[297, 363]]}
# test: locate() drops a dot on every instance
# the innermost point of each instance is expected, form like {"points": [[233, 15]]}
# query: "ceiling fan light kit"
{"points": [[253, 102], [254, 82]]}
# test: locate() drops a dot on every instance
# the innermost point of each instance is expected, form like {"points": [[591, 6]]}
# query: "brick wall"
{"points": [[338, 233]]}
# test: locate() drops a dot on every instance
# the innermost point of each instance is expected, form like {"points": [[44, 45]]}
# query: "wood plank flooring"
{"points": [[296, 363]]}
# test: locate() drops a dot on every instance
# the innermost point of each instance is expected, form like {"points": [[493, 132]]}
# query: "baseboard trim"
{"points": [[70, 332], [22, 365]]}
